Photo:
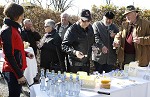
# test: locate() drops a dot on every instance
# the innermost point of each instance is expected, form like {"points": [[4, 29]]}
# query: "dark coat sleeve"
{"points": [[67, 43], [37, 36], [54, 42], [98, 40], [24, 36], [116, 30]]}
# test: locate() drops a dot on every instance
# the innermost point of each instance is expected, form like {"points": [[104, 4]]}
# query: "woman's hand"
{"points": [[30, 55], [21, 80]]}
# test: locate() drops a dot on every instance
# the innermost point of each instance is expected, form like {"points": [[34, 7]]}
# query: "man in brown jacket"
{"points": [[133, 40]]}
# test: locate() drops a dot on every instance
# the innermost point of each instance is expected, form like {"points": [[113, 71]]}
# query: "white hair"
{"points": [[64, 14], [26, 20], [50, 22]]}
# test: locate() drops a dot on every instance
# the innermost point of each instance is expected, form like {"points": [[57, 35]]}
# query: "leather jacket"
{"points": [[78, 39]]}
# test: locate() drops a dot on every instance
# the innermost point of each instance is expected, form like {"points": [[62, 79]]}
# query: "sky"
{"points": [[87, 4]]}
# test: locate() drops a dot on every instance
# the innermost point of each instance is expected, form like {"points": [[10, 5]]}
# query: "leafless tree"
{"points": [[16, 1], [60, 5], [108, 2], [57, 5], [7, 1], [37, 1]]}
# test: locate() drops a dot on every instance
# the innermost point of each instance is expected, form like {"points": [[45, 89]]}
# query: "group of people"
{"points": [[70, 47]]}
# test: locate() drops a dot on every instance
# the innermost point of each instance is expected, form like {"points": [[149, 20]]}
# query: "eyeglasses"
{"points": [[85, 20]]}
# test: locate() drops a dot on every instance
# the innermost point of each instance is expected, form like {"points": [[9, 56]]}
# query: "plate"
{"points": [[119, 74], [120, 77]]}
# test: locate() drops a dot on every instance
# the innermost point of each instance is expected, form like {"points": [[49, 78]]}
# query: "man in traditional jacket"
{"points": [[133, 40]]}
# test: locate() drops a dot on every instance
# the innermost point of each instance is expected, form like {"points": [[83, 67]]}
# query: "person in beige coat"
{"points": [[133, 40]]}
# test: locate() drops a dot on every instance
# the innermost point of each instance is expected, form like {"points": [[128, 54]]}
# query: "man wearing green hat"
{"points": [[133, 40]]}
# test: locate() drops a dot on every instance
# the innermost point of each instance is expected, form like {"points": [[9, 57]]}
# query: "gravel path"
{"points": [[4, 89]]}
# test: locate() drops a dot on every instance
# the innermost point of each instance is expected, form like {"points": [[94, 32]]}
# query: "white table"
{"points": [[140, 88], [31, 70]]}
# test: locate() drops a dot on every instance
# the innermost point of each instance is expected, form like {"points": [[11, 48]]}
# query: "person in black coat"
{"points": [[78, 41], [30, 35], [50, 46], [61, 28]]}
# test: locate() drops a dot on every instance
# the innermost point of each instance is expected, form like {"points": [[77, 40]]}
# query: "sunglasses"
{"points": [[85, 20], [46, 26]]}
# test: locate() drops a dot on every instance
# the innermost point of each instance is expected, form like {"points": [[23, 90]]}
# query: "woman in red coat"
{"points": [[13, 49]]}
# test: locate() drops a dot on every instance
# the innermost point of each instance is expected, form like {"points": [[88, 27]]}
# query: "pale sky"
{"points": [[86, 4]]}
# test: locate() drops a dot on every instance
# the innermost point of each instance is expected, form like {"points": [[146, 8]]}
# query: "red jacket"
{"points": [[13, 48]]}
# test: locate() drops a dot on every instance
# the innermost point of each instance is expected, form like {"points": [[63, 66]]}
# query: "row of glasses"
{"points": [[147, 73]]}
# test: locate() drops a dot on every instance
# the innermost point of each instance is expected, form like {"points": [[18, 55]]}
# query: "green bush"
{"points": [[38, 15]]}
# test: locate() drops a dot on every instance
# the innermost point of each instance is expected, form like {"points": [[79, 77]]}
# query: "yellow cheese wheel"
{"points": [[105, 86], [105, 80]]}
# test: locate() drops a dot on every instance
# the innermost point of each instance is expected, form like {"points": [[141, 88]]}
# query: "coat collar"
{"points": [[79, 27], [51, 33], [138, 21], [9, 22]]}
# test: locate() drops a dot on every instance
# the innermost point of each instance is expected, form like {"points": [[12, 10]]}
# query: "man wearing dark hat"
{"points": [[133, 40], [104, 56], [77, 43]]}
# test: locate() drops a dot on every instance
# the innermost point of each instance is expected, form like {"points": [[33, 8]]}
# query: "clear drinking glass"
{"points": [[148, 68]]}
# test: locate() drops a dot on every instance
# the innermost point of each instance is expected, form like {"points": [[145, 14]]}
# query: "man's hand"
{"points": [[30, 55], [21, 80], [136, 40], [79, 54], [112, 34], [104, 49], [116, 43], [32, 29], [95, 49]]}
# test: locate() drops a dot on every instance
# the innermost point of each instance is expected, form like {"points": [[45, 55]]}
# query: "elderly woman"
{"points": [[13, 48], [50, 46]]}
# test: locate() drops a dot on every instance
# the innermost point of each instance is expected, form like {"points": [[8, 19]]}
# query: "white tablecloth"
{"points": [[135, 87], [31, 70]]}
